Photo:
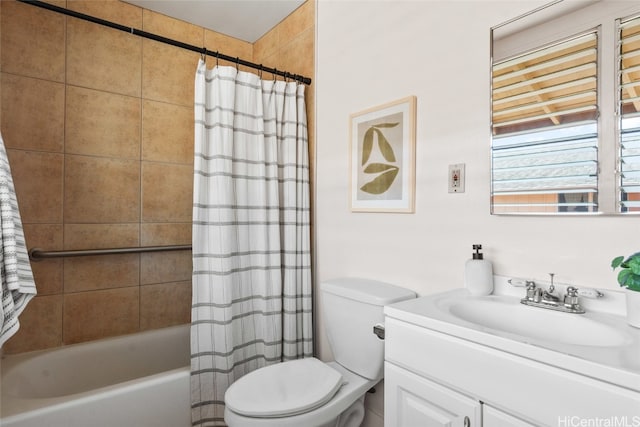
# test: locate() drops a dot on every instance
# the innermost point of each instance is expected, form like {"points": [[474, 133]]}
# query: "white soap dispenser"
{"points": [[478, 274]]}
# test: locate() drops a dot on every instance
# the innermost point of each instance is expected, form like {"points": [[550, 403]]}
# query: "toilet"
{"points": [[309, 392]]}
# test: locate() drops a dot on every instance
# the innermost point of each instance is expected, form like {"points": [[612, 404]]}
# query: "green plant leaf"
{"points": [[386, 125], [634, 287], [385, 147], [378, 167], [629, 275], [381, 183], [633, 281], [634, 265], [367, 145], [615, 263], [623, 277], [626, 262], [627, 279]]}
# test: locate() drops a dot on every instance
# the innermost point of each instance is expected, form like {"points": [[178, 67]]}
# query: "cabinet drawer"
{"points": [[504, 380], [491, 417]]}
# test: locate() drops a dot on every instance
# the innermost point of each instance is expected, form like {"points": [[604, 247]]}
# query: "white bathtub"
{"points": [[136, 380]]}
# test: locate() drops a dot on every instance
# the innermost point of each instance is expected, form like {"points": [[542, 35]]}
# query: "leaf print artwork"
{"points": [[385, 147], [367, 145], [382, 157], [382, 182], [378, 167], [387, 172]]}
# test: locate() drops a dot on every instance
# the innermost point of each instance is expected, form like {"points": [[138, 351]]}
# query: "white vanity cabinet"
{"points": [[455, 377], [411, 401]]}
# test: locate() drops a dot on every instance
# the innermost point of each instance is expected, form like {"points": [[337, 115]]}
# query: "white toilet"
{"points": [[312, 393]]}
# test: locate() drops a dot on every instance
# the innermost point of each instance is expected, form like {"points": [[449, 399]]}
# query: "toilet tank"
{"points": [[351, 308]]}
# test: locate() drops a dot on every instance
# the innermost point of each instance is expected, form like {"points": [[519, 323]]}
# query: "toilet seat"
{"points": [[353, 389], [284, 389]]}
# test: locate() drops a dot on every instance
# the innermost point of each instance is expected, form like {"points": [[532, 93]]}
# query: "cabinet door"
{"points": [[412, 401], [492, 417]]}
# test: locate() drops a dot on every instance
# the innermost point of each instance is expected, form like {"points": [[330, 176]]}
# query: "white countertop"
{"points": [[618, 365]]}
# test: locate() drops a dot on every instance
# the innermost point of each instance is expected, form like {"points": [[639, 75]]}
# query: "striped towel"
{"points": [[18, 286]]}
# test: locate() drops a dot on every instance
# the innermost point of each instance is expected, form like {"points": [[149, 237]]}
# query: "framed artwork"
{"points": [[383, 157]]}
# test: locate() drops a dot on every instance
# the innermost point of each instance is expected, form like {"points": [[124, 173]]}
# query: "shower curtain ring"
{"points": [[203, 54], [237, 63], [260, 73], [275, 74], [217, 58]]}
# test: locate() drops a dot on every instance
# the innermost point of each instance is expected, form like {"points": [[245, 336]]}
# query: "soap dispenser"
{"points": [[478, 274]]}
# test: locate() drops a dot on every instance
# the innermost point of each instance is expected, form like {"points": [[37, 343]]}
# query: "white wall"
{"points": [[373, 52]]}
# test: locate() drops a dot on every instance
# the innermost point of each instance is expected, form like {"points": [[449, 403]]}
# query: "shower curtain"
{"points": [[251, 232]]}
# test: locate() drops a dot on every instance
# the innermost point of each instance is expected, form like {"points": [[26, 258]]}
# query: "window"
{"points": [[545, 129], [629, 113]]}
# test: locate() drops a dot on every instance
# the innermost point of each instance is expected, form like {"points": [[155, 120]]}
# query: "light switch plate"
{"points": [[456, 178]]}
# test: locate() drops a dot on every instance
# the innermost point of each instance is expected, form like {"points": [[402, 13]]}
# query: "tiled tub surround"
{"points": [[99, 129]]}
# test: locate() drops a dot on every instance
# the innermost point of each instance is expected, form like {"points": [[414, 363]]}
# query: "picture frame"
{"points": [[382, 152]]}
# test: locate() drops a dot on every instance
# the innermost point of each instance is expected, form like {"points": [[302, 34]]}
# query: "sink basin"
{"points": [[508, 315]]}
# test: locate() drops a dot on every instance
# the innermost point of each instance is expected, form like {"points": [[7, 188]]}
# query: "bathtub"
{"points": [[135, 380]]}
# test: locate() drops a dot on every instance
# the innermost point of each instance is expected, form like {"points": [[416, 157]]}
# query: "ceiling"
{"points": [[246, 20]]}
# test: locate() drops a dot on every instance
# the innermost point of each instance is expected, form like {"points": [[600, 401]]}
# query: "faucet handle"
{"points": [[589, 293], [521, 283], [572, 291], [571, 298]]}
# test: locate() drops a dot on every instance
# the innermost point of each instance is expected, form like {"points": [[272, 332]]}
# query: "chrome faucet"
{"points": [[569, 303], [548, 294], [545, 299]]}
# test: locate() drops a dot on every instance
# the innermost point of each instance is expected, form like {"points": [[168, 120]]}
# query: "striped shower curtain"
{"points": [[251, 232]]}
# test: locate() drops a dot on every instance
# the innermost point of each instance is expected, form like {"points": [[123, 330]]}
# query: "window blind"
{"points": [[629, 108], [544, 123]]}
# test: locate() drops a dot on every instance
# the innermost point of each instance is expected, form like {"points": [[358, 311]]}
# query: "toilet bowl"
{"points": [[309, 392], [321, 410]]}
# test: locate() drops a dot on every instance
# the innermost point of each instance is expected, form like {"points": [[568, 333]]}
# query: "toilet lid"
{"points": [[284, 389]]}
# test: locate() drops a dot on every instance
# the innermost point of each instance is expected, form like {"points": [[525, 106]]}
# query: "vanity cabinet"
{"points": [[434, 378], [411, 400]]}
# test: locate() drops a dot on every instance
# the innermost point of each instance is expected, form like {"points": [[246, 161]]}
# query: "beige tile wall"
{"points": [[98, 126], [291, 46]]}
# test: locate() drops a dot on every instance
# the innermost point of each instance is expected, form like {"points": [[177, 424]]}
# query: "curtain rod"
{"points": [[145, 34], [38, 254]]}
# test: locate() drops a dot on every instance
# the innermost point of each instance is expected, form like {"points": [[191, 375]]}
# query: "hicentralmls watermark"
{"points": [[576, 421]]}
